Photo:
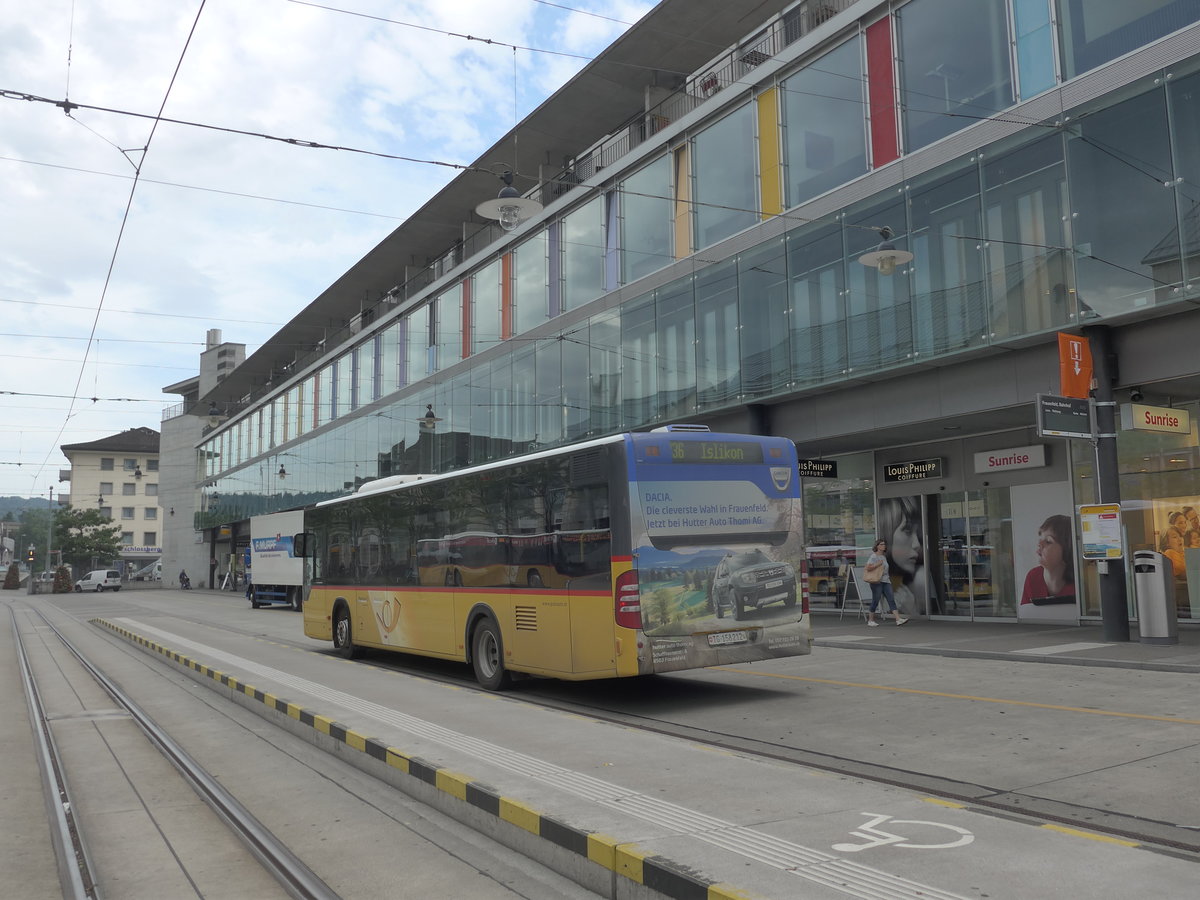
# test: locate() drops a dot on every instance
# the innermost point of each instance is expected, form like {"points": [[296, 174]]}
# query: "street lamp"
{"points": [[509, 207], [886, 257], [50, 528]]}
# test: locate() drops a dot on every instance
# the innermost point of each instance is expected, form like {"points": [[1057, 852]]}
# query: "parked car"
{"points": [[99, 581], [751, 579]]}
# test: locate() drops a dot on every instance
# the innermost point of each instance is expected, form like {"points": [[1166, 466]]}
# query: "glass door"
{"points": [[975, 550]]}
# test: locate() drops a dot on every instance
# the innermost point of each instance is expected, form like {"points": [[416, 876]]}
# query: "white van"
{"points": [[99, 580]]}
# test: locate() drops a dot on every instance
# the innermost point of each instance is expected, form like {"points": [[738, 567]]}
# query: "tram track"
{"points": [[77, 873]]}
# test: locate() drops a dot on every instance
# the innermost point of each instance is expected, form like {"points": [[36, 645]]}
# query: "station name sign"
{"points": [[913, 470], [1069, 417], [1136, 417], [818, 468]]}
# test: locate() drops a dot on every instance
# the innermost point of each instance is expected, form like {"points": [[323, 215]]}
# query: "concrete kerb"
{"points": [[598, 862]]}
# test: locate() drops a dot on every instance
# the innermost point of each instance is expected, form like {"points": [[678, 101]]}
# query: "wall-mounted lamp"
{"points": [[172, 512], [282, 471], [1136, 395], [137, 471], [886, 257], [100, 501], [509, 206]]}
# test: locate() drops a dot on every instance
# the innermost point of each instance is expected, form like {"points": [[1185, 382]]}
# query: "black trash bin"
{"points": [[1154, 585]]}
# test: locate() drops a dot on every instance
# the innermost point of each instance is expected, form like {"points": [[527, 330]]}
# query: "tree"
{"points": [[12, 578], [84, 535]]}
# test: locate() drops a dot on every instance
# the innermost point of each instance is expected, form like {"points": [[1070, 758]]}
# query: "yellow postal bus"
{"points": [[609, 558]]}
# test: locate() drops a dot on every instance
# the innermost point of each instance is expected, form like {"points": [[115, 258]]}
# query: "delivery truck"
{"points": [[275, 573]]}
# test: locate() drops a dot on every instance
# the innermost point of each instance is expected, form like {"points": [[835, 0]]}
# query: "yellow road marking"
{"points": [[1103, 838], [900, 690]]}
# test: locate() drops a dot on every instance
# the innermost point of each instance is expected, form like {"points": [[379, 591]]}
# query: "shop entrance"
{"points": [[972, 532], [951, 554]]}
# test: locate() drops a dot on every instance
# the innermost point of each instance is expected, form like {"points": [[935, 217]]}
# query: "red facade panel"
{"points": [[881, 93]]}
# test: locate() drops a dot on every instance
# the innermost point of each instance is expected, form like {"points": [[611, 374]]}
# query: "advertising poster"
{"points": [[1044, 556], [900, 524], [718, 556], [1177, 536]]}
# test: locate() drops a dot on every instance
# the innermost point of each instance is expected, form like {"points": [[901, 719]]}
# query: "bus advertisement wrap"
{"points": [[712, 541]]}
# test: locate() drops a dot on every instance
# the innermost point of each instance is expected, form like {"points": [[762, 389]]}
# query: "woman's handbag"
{"points": [[873, 576]]}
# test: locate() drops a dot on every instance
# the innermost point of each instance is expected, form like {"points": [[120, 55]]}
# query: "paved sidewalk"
{"points": [[1082, 645]]}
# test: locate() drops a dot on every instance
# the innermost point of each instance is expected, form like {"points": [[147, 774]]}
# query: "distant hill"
{"points": [[17, 505]]}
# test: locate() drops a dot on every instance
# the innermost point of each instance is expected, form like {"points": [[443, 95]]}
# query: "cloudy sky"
{"points": [[100, 310]]}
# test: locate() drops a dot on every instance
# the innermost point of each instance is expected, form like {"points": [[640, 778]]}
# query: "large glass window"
{"points": [[449, 327], [416, 355], [646, 220], [818, 311], [638, 356], [1095, 31], [604, 385], [878, 310], [530, 280], [718, 358], [1035, 46], [1184, 96], [1030, 277], [364, 373], [389, 360], [949, 307], [954, 66], [583, 254], [762, 315], [675, 311], [824, 124], [725, 182], [839, 527], [1123, 205], [485, 307]]}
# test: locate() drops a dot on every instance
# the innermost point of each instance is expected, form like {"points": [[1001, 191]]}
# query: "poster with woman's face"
{"points": [[1044, 555], [901, 525]]}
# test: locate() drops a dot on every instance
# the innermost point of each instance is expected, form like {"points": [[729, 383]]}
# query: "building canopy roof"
{"points": [[672, 41]]}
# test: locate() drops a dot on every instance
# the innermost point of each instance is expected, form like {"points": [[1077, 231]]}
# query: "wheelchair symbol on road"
{"points": [[877, 837]]}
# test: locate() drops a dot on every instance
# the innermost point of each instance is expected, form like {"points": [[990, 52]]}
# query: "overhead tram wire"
{"points": [[121, 231]]}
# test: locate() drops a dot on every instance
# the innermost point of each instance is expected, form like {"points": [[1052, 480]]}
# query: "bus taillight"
{"points": [[629, 601]]}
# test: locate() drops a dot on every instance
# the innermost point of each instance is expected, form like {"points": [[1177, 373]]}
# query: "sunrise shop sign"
{"points": [[1136, 417], [912, 470]]}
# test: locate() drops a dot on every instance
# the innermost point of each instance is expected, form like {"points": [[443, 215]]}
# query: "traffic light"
{"points": [[29, 557]]}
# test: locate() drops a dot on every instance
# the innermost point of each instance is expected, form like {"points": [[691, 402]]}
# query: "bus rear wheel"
{"points": [[254, 604], [343, 636], [487, 656]]}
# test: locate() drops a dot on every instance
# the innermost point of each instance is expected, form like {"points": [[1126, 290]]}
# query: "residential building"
{"points": [[119, 475]]}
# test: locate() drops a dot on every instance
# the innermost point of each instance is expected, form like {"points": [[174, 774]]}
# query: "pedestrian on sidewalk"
{"points": [[878, 577]]}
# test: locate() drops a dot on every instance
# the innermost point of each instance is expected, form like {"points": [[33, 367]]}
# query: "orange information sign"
{"points": [[1074, 366]]}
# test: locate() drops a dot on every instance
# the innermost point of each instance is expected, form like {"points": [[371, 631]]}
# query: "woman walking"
{"points": [[881, 584]]}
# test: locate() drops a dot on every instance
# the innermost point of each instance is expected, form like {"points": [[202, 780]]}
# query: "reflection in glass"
{"points": [[638, 357], [718, 360], [646, 220], [878, 316], [1125, 232], [485, 307], [949, 309], [530, 296], [725, 178], [1096, 31], [954, 66], [824, 124], [1030, 277], [1184, 98], [583, 254], [818, 311], [762, 313]]}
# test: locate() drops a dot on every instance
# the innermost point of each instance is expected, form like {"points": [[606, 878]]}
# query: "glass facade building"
{"points": [[1036, 157]]}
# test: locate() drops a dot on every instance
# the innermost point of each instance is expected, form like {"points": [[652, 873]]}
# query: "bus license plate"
{"points": [[774, 584], [727, 637]]}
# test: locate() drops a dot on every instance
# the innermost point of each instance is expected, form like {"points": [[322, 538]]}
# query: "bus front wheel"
{"points": [[487, 656], [343, 636], [254, 604]]}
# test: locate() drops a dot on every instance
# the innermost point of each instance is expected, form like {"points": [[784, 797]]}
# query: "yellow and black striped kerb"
{"points": [[654, 872]]}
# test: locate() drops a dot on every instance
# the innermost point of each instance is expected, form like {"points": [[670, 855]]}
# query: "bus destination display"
{"points": [[735, 452]]}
